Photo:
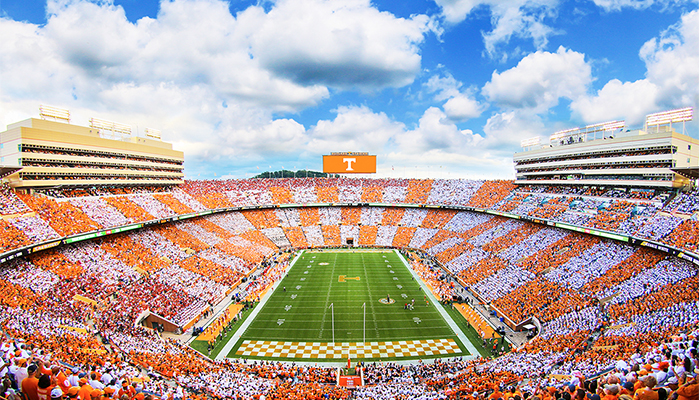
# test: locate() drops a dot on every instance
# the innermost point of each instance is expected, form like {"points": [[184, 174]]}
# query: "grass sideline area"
{"points": [[201, 345], [300, 308], [473, 335]]}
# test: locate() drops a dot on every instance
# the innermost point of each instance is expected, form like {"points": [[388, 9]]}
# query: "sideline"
{"points": [[241, 330], [223, 354], [467, 343]]}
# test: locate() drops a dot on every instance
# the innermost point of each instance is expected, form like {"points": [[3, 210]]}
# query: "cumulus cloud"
{"points": [[671, 79], [354, 128], [627, 100], [213, 82], [460, 105], [540, 80], [435, 131], [505, 130], [338, 43], [618, 5], [524, 19], [672, 62]]}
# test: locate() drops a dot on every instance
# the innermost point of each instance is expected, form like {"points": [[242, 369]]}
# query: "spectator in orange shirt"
{"points": [[85, 389], [44, 388], [647, 391], [61, 379], [497, 394], [30, 384], [689, 390]]}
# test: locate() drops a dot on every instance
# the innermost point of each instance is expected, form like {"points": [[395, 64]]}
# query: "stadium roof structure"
{"points": [[688, 172], [7, 170]]}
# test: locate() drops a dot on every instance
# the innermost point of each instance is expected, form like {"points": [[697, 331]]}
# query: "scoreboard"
{"points": [[349, 163]]}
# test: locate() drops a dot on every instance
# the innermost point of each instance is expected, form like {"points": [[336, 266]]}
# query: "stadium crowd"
{"points": [[612, 315]]}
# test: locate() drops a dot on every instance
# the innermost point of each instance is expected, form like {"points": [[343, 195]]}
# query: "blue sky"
{"points": [[434, 88]]}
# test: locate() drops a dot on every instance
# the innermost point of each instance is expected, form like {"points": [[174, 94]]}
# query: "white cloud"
{"points": [[441, 164], [339, 43], [444, 87], [280, 136], [460, 105], [505, 130], [353, 129], [523, 19], [528, 19], [211, 81], [672, 62], [617, 5], [456, 11], [629, 100], [90, 43], [462, 108], [671, 79], [435, 131], [540, 80], [436, 141]]}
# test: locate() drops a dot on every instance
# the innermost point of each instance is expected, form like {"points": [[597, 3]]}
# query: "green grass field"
{"points": [[300, 308]]}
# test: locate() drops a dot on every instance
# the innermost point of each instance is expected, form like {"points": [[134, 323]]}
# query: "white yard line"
{"points": [[467, 343], [470, 347], [241, 330]]}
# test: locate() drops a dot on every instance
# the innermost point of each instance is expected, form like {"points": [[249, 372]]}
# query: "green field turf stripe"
{"points": [[241, 330], [328, 295], [301, 314], [462, 337], [373, 319]]}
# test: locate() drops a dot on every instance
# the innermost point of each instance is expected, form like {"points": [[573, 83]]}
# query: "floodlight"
{"points": [[530, 142], [110, 126], [667, 117], [605, 126], [54, 112], [154, 133], [562, 134]]}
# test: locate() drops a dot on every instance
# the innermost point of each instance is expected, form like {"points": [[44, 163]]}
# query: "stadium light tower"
{"points": [[115, 128], [669, 117], [55, 113], [153, 133]]}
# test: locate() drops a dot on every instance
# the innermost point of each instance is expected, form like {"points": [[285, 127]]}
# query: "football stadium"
{"points": [[577, 279]]}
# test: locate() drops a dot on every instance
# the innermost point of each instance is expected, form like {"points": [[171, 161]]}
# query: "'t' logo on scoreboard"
{"points": [[350, 163]]}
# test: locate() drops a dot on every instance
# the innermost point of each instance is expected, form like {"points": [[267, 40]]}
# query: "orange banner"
{"points": [[349, 164]]}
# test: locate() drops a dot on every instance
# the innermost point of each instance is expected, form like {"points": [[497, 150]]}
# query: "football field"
{"points": [[365, 304]]}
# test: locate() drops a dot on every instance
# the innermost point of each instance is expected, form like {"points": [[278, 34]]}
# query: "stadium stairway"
{"points": [[516, 339]]}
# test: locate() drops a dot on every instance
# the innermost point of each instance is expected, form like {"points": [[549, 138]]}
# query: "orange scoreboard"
{"points": [[349, 163]]}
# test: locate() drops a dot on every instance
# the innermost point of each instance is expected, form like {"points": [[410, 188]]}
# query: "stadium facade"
{"points": [[617, 158], [53, 153]]}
